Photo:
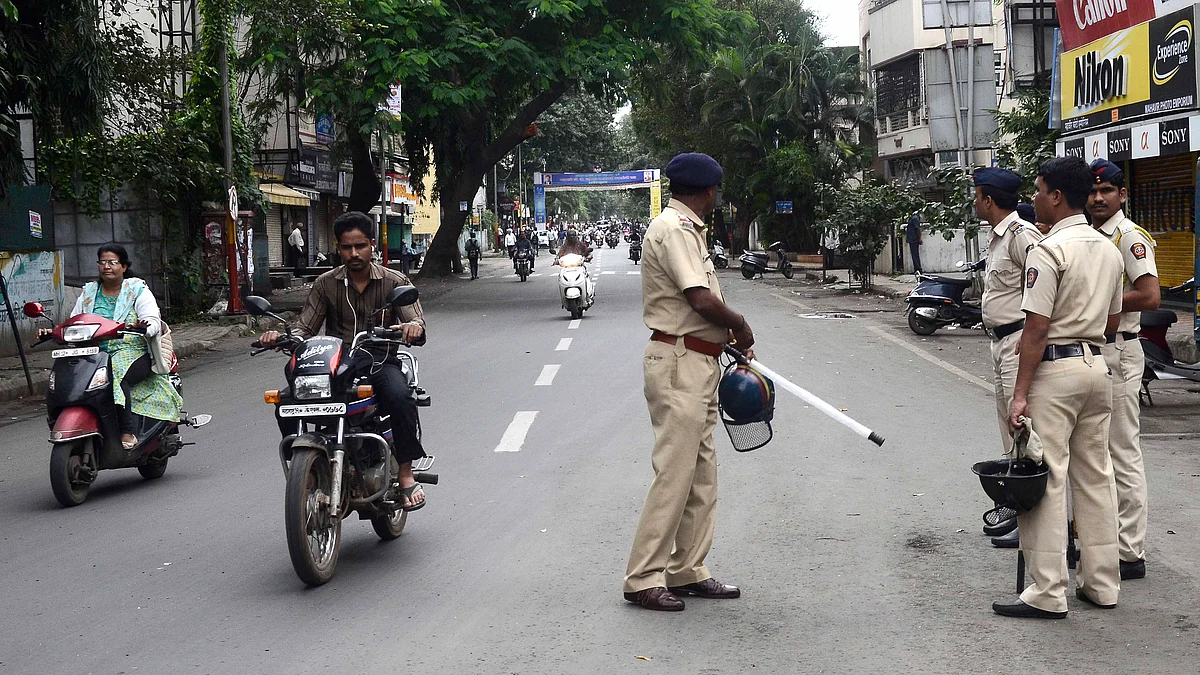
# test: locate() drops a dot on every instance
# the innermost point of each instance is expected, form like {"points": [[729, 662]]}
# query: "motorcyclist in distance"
{"points": [[524, 248], [344, 301]]}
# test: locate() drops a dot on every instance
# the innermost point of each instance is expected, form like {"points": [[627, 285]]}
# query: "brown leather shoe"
{"points": [[709, 588], [657, 598]]}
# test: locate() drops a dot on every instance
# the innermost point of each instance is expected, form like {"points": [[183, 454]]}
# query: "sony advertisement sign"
{"points": [[1143, 70]]}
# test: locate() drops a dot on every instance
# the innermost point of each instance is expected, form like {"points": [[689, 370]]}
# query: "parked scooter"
{"points": [[720, 261], [755, 263], [1160, 360], [84, 419], [575, 287], [937, 301]]}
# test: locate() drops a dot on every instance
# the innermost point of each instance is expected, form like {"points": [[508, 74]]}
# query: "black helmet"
{"points": [[747, 403], [1018, 484]]}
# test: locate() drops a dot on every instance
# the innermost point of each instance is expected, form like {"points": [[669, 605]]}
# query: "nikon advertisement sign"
{"points": [[1143, 70]]}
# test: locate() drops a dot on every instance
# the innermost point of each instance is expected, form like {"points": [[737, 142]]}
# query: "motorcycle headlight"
{"points": [[80, 333], [307, 387], [100, 379]]}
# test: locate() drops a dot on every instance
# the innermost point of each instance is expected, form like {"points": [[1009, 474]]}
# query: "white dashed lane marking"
{"points": [[514, 435], [574, 324], [563, 345], [547, 377], [637, 273], [608, 272]]}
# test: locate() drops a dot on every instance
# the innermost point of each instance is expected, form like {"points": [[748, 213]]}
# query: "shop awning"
{"points": [[282, 194], [390, 212], [307, 192]]}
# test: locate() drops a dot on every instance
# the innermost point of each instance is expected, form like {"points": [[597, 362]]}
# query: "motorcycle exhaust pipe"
{"points": [[807, 397]]}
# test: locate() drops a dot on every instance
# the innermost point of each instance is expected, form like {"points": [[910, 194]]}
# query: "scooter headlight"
{"points": [[100, 379], [307, 387], [80, 333]]}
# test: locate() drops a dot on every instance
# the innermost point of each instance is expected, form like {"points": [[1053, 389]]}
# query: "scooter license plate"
{"points": [[312, 410], [74, 351]]}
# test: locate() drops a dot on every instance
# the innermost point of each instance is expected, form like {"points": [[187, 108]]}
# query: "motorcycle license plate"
{"points": [[75, 351], [312, 410]]}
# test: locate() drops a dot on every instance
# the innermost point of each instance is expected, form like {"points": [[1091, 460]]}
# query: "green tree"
{"points": [[1026, 138], [862, 217]]}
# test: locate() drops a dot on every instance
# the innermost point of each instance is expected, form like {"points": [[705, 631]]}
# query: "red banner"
{"points": [[1083, 21]]}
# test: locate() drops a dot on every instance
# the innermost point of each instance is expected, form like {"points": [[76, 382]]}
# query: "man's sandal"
{"points": [[407, 495]]}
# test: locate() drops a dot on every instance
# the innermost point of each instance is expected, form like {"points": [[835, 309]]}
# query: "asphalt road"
{"points": [[852, 558]]}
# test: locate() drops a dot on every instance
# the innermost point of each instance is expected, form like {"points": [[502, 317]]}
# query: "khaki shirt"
{"points": [[1137, 249], [343, 311], [674, 259], [1003, 286], [1073, 276]]}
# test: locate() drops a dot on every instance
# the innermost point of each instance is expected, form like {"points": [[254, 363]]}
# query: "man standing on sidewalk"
{"points": [[296, 245], [1009, 242], [1072, 299], [683, 307], [912, 234], [1123, 352]]}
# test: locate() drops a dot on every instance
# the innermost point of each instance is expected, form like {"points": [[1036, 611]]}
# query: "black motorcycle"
{"points": [[635, 251], [755, 263], [338, 457], [937, 301], [612, 239], [84, 418], [523, 263]]}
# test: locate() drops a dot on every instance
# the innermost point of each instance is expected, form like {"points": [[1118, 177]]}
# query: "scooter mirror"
{"points": [[403, 295], [960, 263], [34, 310], [258, 305]]}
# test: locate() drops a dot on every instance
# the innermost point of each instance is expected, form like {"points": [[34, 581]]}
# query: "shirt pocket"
{"points": [[1005, 274]]}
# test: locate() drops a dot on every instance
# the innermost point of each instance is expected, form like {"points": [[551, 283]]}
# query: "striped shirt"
{"points": [[330, 301]]}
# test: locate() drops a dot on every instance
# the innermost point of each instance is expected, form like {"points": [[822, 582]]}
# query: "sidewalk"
{"points": [[190, 339]]}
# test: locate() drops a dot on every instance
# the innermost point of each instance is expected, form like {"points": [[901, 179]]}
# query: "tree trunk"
{"points": [[366, 187]]}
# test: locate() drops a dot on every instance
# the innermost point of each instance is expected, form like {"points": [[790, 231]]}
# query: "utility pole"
{"points": [[231, 233], [383, 198]]}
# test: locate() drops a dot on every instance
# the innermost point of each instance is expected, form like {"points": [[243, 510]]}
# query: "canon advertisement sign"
{"points": [[1084, 21]]}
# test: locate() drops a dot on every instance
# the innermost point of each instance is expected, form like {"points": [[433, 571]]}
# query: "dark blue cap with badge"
{"points": [[1105, 171], [1001, 179], [695, 169]]}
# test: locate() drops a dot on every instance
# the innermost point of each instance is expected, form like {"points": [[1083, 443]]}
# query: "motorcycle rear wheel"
{"points": [[920, 325], [68, 472], [789, 271], [748, 271], [314, 537], [389, 527]]}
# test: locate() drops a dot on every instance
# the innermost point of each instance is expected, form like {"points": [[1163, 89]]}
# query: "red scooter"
{"points": [[84, 420]]}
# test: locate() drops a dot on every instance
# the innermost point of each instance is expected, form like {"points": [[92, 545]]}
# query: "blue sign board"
{"points": [[783, 207], [539, 206], [603, 179], [325, 129]]}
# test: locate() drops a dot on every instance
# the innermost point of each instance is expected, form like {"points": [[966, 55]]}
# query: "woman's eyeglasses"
{"points": [[108, 263]]}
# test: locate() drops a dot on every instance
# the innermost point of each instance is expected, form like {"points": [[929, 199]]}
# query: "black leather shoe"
{"points": [[1023, 611], [1010, 540], [1133, 570], [657, 598], [709, 588], [1084, 597]]}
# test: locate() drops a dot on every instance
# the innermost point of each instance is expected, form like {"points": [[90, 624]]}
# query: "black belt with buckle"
{"points": [[1056, 352], [1001, 332], [1125, 334]]}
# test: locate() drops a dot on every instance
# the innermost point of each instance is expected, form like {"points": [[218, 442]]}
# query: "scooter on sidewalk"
{"points": [[575, 286], [1160, 360], [84, 419], [755, 263], [937, 301], [720, 261]]}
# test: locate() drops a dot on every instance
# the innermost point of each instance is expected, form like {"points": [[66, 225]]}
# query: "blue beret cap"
{"points": [[695, 169], [1026, 212], [1001, 179], [1105, 171]]}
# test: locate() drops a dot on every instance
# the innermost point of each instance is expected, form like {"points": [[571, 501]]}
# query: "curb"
{"points": [[16, 387], [878, 289]]}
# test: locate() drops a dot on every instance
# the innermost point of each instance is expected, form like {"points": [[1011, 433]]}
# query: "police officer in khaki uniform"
{"points": [[1072, 300], [1009, 241], [1123, 352], [690, 323]]}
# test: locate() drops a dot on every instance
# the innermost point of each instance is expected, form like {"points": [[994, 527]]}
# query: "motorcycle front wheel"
{"points": [[152, 470], [575, 307], [748, 271], [920, 325], [314, 536], [389, 527], [789, 271], [70, 475]]}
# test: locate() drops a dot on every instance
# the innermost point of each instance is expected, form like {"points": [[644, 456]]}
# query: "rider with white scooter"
{"points": [[575, 287]]}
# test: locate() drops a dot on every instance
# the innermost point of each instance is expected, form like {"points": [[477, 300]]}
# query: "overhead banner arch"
{"points": [[604, 180]]}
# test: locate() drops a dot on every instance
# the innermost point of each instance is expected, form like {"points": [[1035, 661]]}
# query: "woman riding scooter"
{"points": [[119, 297]]}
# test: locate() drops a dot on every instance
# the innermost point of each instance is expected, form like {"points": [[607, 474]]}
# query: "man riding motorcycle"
{"points": [[344, 301], [524, 248], [572, 245]]}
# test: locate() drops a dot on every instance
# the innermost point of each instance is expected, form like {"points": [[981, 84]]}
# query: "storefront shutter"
{"points": [[274, 224], [1162, 200]]}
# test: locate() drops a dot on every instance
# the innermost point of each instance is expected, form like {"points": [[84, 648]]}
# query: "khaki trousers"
{"points": [[676, 528], [1126, 361], [1070, 402], [1004, 367]]}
